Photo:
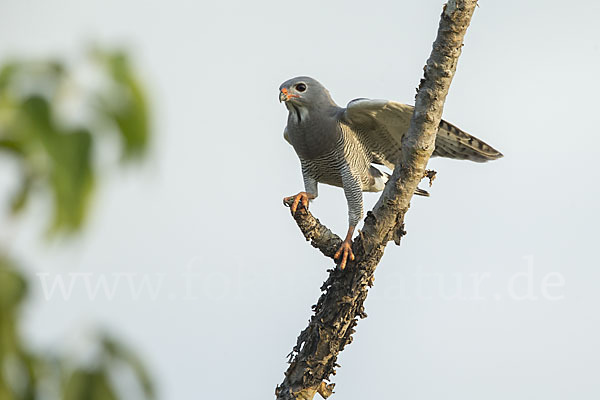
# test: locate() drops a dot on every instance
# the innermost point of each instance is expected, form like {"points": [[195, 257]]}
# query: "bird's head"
{"points": [[304, 91]]}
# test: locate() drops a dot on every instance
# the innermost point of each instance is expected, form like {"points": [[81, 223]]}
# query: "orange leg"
{"points": [[345, 249], [300, 198]]}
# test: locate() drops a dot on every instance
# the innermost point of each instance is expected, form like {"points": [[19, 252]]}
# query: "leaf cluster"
{"points": [[52, 122]]}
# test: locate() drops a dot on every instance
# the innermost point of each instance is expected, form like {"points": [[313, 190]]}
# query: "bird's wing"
{"points": [[380, 125]]}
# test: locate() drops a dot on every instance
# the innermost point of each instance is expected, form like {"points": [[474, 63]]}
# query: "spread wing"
{"points": [[380, 125]]}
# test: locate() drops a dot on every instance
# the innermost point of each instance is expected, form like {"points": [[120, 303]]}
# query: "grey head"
{"points": [[313, 117], [304, 94]]}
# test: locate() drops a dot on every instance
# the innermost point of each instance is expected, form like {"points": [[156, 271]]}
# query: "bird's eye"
{"points": [[301, 87]]}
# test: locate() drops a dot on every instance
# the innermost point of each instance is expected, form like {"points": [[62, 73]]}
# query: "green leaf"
{"points": [[13, 286], [126, 105], [68, 167], [11, 146], [129, 358], [13, 289], [59, 159], [5, 392], [30, 365], [6, 74], [89, 385], [20, 198], [37, 110], [71, 178]]}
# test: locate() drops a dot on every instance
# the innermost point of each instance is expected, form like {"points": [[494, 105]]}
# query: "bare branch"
{"points": [[419, 142], [330, 329], [319, 235]]}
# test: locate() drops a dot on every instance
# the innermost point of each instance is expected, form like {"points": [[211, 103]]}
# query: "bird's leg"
{"points": [[345, 249], [300, 198]]}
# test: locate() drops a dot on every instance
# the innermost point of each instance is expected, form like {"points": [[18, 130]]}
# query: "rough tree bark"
{"points": [[336, 313]]}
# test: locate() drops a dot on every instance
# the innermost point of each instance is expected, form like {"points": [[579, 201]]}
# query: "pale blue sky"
{"points": [[209, 200]]}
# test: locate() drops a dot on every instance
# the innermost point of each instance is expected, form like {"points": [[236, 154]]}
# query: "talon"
{"points": [[345, 251], [295, 203], [300, 198]]}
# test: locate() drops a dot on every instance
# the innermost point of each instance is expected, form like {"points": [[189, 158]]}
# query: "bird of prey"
{"points": [[338, 146]]}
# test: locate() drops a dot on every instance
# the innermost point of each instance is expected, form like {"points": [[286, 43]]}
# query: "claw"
{"points": [[295, 203], [345, 251], [300, 198]]}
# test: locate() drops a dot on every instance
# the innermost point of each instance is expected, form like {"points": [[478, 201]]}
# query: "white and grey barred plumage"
{"points": [[338, 146]]}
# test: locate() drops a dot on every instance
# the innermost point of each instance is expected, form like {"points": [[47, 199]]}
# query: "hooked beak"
{"points": [[285, 95]]}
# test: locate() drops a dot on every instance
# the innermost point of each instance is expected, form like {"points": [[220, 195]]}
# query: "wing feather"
{"points": [[381, 124]]}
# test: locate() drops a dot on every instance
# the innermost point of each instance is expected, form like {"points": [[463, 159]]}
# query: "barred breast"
{"points": [[348, 151]]}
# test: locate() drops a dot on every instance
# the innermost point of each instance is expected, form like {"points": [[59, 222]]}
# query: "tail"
{"points": [[451, 142]]}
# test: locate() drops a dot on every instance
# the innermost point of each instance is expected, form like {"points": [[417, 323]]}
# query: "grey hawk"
{"points": [[338, 146]]}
